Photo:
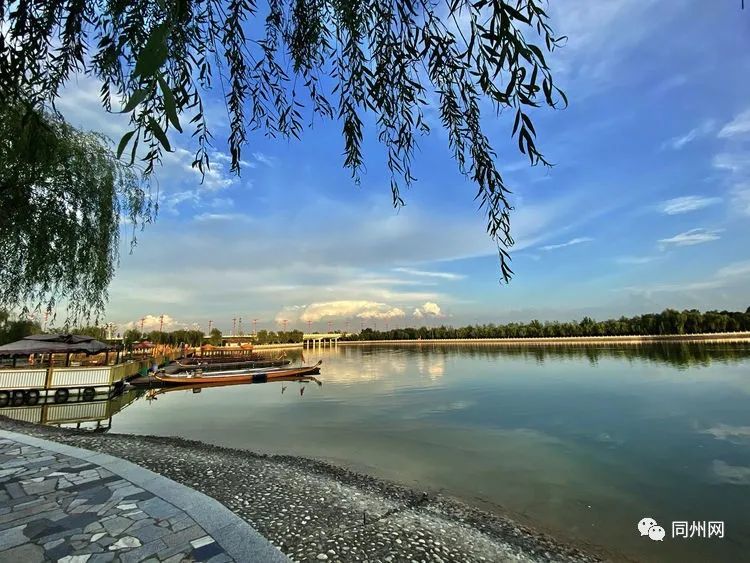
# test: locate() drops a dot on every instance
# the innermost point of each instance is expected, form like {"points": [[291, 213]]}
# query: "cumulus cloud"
{"points": [[429, 309], [692, 237], [153, 322], [571, 242], [687, 204], [360, 309], [740, 125]]}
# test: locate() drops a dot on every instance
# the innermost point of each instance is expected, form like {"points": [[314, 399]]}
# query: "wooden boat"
{"points": [[196, 387], [254, 375], [227, 359], [178, 366]]}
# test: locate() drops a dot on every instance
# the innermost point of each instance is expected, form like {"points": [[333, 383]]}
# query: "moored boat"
{"points": [[180, 366], [251, 375]]}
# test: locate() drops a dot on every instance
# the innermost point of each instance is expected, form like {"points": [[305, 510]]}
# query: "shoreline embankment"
{"points": [[720, 337], [314, 511]]}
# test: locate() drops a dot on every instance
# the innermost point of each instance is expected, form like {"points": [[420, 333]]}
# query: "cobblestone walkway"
{"points": [[55, 507]]}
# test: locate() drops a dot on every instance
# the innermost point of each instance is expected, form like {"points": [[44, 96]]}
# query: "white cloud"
{"points": [[429, 309], [677, 143], [600, 35], [732, 161], [341, 309], [736, 273], [692, 237], [571, 242], [153, 322], [740, 125], [442, 275], [265, 159], [635, 259], [203, 217], [688, 203]]}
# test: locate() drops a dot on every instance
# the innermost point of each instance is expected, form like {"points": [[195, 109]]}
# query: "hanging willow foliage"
{"points": [[62, 195], [277, 59]]}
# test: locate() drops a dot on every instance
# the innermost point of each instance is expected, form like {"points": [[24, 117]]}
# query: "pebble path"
{"points": [[313, 511]]}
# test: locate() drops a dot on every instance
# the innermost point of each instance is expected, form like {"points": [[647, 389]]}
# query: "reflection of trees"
{"points": [[678, 354]]}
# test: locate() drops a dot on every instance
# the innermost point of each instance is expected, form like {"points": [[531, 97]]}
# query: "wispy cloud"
{"points": [[732, 161], [203, 217], [442, 275], [265, 159], [740, 194], [704, 129], [692, 237], [635, 260], [731, 274], [571, 242], [687, 204], [740, 125]]}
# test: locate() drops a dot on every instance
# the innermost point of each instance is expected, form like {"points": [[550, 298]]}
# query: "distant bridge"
{"points": [[310, 340]]}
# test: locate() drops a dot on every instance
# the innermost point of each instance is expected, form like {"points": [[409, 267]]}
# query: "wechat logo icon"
{"points": [[649, 527]]}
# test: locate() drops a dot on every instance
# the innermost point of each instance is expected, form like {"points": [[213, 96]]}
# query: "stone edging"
{"points": [[238, 539]]}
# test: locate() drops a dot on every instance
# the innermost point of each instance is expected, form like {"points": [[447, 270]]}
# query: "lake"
{"points": [[582, 442]]}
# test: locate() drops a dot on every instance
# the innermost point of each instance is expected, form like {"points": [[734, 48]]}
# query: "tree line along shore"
{"points": [[670, 324]]}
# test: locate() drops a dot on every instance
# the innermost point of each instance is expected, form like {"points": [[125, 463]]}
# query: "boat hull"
{"points": [[256, 376]]}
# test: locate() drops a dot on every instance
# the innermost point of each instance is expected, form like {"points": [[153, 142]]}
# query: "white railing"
{"points": [[80, 377], [22, 378]]}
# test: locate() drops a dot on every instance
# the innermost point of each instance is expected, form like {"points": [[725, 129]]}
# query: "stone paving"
{"points": [[313, 511], [54, 507]]}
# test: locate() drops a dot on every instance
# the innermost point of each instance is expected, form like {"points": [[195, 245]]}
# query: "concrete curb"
{"points": [[238, 539]]}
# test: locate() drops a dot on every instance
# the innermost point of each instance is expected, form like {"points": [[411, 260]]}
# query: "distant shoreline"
{"points": [[725, 337]]}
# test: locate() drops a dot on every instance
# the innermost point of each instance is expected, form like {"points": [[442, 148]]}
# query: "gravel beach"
{"points": [[314, 511]]}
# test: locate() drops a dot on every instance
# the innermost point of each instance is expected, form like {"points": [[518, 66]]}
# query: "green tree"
{"points": [[62, 192], [132, 336], [335, 59], [215, 337], [12, 329]]}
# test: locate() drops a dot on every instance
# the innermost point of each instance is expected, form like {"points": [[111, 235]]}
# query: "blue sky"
{"points": [[647, 206]]}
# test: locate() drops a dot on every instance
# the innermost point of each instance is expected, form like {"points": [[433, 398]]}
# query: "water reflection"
{"points": [[581, 441], [95, 415], [678, 354]]}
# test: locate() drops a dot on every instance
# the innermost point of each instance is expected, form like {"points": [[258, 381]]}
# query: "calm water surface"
{"points": [[581, 442]]}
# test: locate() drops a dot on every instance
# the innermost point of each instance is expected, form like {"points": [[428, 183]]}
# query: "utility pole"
{"points": [[284, 323], [142, 319], [240, 326], [234, 326], [309, 326], [161, 322], [347, 326], [330, 326], [209, 327], [255, 326]]}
